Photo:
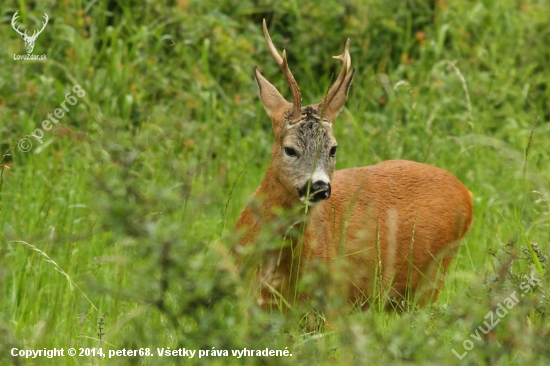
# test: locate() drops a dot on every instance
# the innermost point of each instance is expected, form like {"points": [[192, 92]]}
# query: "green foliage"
{"points": [[128, 206]]}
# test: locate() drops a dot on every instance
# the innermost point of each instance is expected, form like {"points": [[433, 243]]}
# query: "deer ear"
{"points": [[335, 105], [333, 102], [274, 103]]}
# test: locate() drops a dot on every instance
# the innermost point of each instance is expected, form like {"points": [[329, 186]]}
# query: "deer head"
{"points": [[29, 40], [304, 152]]}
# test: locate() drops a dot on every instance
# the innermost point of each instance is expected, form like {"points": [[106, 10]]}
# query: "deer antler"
{"points": [[346, 59], [283, 64], [24, 34], [15, 16], [44, 26]]}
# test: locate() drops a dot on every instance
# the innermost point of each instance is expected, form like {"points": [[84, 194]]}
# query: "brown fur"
{"points": [[406, 207], [395, 225]]}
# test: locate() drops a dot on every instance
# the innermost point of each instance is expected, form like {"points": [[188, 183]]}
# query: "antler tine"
{"points": [[15, 16], [283, 64], [44, 25], [346, 59]]}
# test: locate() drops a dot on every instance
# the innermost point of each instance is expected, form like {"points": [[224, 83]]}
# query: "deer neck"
{"points": [[275, 194]]}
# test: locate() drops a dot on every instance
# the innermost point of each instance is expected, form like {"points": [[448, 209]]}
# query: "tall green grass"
{"points": [[128, 208]]}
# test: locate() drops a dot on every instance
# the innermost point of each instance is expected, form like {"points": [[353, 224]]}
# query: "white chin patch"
{"points": [[320, 176]]}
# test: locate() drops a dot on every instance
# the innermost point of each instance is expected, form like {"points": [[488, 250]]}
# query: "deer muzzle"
{"points": [[318, 191]]}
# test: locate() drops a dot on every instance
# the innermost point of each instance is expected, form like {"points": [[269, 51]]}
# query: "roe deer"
{"points": [[398, 222]]}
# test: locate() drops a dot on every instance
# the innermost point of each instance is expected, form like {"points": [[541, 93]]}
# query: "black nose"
{"points": [[319, 191], [319, 186]]}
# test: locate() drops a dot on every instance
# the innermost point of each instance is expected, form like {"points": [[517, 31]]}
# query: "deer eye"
{"points": [[333, 151], [290, 152]]}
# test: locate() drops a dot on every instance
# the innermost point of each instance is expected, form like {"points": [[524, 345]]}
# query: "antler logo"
{"points": [[29, 40]]}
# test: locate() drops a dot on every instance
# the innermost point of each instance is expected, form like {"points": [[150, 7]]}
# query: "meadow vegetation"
{"points": [[128, 207]]}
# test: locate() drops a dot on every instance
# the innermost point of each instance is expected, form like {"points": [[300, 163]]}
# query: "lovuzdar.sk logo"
{"points": [[29, 40]]}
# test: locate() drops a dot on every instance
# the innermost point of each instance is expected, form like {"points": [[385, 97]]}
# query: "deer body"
{"points": [[397, 222]]}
